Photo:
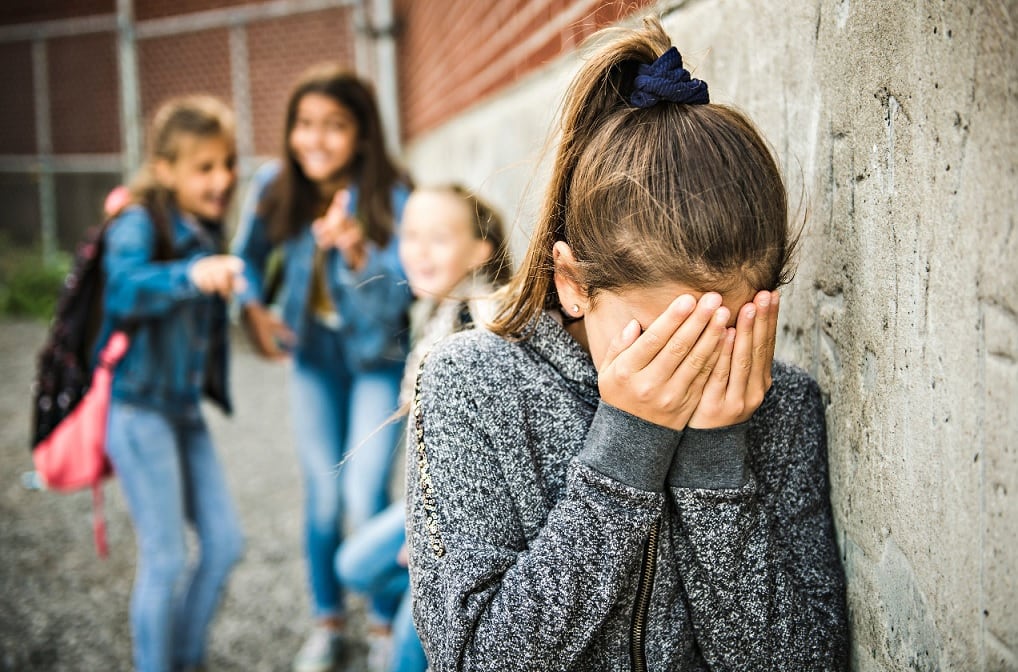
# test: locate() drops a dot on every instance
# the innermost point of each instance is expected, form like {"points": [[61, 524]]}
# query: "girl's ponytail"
{"points": [[652, 184], [599, 91]]}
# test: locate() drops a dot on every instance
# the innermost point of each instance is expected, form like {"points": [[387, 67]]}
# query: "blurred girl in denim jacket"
{"points": [[166, 285], [332, 205]]}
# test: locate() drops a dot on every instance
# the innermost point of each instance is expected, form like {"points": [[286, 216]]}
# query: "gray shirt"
{"points": [[551, 531]]}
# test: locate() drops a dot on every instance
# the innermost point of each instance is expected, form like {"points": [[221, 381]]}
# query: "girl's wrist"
{"points": [[714, 458]]}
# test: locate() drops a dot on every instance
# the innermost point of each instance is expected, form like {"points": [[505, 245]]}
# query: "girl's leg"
{"points": [[371, 443], [367, 561], [407, 652], [319, 411], [142, 445], [210, 509]]}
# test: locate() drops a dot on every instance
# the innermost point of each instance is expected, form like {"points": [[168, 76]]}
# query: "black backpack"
{"points": [[65, 363], [64, 367]]}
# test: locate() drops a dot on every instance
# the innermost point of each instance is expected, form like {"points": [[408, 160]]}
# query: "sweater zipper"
{"points": [[638, 631]]}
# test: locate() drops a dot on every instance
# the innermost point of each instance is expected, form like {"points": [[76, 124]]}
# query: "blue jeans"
{"points": [[367, 563], [345, 445], [170, 476]]}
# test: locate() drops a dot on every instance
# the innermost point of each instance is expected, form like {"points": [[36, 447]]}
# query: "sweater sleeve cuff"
{"points": [[711, 458], [629, 449]]}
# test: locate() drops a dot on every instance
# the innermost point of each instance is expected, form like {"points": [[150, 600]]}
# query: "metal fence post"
{"points": [[44, 146], [130, 104]]}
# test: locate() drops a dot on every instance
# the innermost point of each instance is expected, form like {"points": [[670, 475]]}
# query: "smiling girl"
{"points": [[166, 285], [333, 206]]}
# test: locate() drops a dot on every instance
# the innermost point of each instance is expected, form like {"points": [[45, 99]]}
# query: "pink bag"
{"points": [[73, 456]]}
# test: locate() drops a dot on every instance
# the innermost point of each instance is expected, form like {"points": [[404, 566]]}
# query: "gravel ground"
{"points": [[62, 608]]}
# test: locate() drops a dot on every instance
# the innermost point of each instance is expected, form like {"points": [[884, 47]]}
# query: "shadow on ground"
{"points": [[61, 608]]}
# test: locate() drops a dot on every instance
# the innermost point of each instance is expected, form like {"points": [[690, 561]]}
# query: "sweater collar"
{"points": [[550, 341]]}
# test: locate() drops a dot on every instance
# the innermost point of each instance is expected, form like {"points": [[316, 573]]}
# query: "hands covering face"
{"points": [[688, 368]]}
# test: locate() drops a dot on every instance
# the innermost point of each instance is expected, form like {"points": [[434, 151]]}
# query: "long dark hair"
{"points": [[293, 200], [673, 192]]}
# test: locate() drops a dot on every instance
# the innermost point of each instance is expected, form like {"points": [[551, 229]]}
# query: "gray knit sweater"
{"points": [[551, 531]]}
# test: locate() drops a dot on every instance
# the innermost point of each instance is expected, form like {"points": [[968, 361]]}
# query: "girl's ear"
{"points": [[162, 170], [483, 249], [570, 294]]}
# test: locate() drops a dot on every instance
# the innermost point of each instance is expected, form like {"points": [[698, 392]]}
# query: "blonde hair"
{"points": [[195, 116], [486, 224], [670, 193]]}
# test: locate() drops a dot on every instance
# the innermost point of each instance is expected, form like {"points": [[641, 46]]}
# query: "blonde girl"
{"points": [[455, 253], [166, 284]]}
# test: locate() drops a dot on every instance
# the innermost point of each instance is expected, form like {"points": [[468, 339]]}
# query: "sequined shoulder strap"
{"points": [[424, 472]]}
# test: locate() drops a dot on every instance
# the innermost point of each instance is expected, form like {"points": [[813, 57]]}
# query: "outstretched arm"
{"points": [[137, 286]]}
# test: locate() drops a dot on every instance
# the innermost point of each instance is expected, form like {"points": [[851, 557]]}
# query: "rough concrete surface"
{"points": [[63, 609], [897, 126]]}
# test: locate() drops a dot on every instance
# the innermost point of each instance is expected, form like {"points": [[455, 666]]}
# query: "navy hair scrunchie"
{"points": [[666, 79]]}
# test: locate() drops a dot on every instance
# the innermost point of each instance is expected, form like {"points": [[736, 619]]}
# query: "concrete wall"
{"points": [[897, 125]]}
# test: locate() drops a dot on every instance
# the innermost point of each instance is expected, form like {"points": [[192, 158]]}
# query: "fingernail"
{"points": [[711, 300], [751, 311], [685, 303], [765, 300], [721, 316], [632, 329]]}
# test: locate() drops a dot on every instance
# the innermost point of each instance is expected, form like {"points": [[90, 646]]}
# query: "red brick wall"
{"points": [[278, 52], [17, 113], [454, 53], [84, 94]]}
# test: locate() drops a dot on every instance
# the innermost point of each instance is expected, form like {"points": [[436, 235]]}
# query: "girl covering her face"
{"points": [[618, 476]]}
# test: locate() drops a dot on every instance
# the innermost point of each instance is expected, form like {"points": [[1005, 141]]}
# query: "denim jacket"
{"points": [[371, 303], [179, 344]]}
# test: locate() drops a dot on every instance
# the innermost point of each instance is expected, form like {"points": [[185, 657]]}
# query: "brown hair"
{"points": [[487, 225], [293, 200], [671, 193], [196, 116]]}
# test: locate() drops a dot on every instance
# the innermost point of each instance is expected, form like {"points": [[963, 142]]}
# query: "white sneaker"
{"points": [[379, 651], [320, 652]]}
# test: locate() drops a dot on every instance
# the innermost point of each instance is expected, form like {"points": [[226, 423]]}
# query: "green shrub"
{"points": [[30, 287]]}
